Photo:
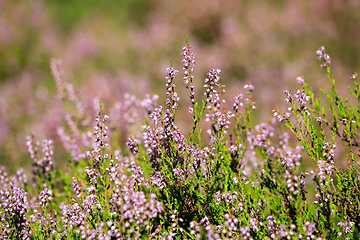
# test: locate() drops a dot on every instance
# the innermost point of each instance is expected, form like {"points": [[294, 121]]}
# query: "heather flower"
{"points": [[220, 121], [90, 203], [137, 175], [134, 207], [92, 174], [158, 180], [76, 187], [233, 149], [290, 160], [320, 52], [46, 163], [344, 121], [47, 223], [70, 145], [329, 151], [300, 80], [91, 189], [346, 227], [41, 166], [272, 225], [73, 216], [322, 55], [310, 228], [327, 58], [188, 67], [237, 102], [213, 98], [116, 171], [262, 133], [45, 197], [101, 132], [218, 197], [288, 96], [156, 115], [210, 82], [172, 101], [149, 102], [131, 110], [168, 120], [133, 146], [57, 72], [353, 77], [151, 138], [253, 224], [245, 233], [204, 222], [210, 234], [14, 207], [4, 179], [302, 98], [32, 147], [80, 109], [319, 118], [325, 169], [21, 178], [249, 87], [281, 117], [179, 140], [235, 180]]}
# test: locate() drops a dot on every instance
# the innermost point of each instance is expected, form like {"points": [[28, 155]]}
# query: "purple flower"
{"points": [[188, 66], [353, 77], [170, 86], [322, 55], [249, 87], [319, 118], [237, 102], [320, 52], [133, 146], [288, 96], [149, 102], [101, 133], [300, 80], [45, 197]]}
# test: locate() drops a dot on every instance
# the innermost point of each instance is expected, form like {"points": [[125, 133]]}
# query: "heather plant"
{"points": [[232, 179], [230, 36]]}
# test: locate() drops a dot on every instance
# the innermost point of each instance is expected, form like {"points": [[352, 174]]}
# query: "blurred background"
{"points": [[109, 48]]}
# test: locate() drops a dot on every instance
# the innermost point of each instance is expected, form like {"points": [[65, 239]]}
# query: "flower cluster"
{"points": [[188, 67], [212, 81], [300, 80], [346, 227], [45, 197], [14, 208], [322, 55], [172, 101], [41, 166], [237, 102], [133, 146], [101, 132]]}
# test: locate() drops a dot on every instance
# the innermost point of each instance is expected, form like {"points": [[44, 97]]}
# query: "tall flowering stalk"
{"points": [[171, 101], [188, 67]]}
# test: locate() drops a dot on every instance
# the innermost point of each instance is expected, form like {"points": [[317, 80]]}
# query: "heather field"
{"points": [[179, 119]]}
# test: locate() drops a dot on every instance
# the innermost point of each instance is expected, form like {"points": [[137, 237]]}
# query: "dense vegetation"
{"points": [[226, 178]]}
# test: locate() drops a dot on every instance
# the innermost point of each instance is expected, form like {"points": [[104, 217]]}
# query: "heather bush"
{"points": [[110, 48], [227, 178]]}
